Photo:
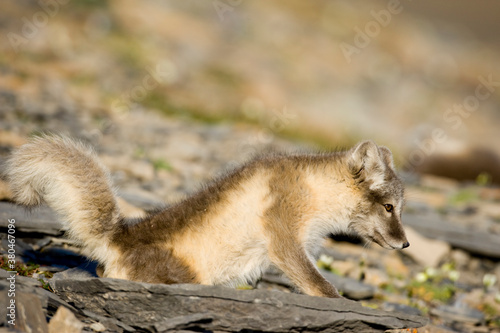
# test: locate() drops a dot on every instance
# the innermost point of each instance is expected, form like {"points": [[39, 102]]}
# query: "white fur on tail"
{"points": [[68, 177]]}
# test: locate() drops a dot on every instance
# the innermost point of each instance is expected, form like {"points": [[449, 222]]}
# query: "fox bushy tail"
{"points": [[67, 176]]}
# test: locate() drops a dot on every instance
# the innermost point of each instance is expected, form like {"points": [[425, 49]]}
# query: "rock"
{"points": [[375, 277], [397, 307], [153, 307], [41, 220], [47, 302], [463, 165], [474, 298], [24, 251], [351, 288], [490, 193], [275, 276], [29, 314], [33, 288], [129, 210], [394, 266], [478, 298], [426, 252], [98, 327], [5, 193], [111, 324], [460, 258], [139, 198], [461, 313], [87, 270], [139, 169], [344, 268], [11, 139], [424, 200], [459, 236], [497, 272], [444, 184], [65, 321]]}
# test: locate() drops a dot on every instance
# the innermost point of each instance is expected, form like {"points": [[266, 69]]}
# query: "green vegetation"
{"points": [[483, 179], [23, 269], [434, 284], [492, 314], [430, 291], [389, 287], [45, 285], [28, 270], [464, 196], [140, 152], [470, 194], [371, 305], [157, 100], [129, 54], [327, 263], [161, 164], [83, 79], [90, 4], [489, 310], [223, 75], [244, 287]]}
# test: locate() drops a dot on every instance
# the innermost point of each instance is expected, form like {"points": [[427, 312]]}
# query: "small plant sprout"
{"points": [[483, 179], [325, 262], [161, 164], [489, 280], [448, 267], [453, 275], [497, 298], [421, 277], [431, 272]]}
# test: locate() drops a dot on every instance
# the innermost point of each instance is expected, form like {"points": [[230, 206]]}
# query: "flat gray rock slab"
{"points": [[39, 220], [159, 307], [467, 238], [350, 288]]}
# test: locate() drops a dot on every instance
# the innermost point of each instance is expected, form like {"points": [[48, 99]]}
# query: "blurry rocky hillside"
{"points": [[330, 72]]}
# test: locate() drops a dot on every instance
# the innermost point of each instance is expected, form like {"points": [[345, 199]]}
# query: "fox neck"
{"points": [[335, 198]]}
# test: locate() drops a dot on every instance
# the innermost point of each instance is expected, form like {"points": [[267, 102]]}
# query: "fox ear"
{"points": [[365, 162], [364, 155], [386, 155]]}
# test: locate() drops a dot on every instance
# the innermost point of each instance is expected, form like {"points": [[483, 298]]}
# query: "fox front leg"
{"points": [[294, 262]]}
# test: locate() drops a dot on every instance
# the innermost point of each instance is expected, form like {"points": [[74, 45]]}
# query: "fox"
{"points": [[275, 209]]}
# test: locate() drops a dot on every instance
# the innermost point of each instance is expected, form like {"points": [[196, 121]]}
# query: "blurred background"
{"points": [[404, 73], [172, 92]]}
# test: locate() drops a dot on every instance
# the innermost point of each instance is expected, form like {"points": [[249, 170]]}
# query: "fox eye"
{"points": [[389, 207]]}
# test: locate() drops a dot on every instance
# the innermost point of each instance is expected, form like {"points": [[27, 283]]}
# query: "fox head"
{"points": [[377, 216]]}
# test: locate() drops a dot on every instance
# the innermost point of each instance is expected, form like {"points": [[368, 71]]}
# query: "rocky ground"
{"points": [[443, 276]]}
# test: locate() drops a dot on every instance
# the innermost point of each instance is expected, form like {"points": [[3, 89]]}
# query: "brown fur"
{"points": [[273, 210]]}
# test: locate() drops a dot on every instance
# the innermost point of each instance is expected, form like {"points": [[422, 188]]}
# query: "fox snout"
{"points": [[389, 243], [390, 235]]}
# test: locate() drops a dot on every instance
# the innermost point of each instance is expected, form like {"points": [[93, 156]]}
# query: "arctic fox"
{"points": [[273, 210]]}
